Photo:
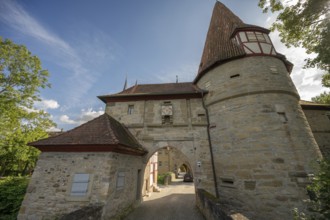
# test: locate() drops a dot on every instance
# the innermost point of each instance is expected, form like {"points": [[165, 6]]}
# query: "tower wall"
{"points": [[262, 144]]}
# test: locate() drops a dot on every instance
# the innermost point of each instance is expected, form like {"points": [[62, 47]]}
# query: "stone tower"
{"points": [[262, 145]]}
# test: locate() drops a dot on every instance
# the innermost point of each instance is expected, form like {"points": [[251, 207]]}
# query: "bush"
{"points": [[12, 191], [319, 192], [161, 177]]}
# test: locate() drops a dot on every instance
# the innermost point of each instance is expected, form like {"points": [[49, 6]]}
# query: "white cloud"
{"points": [[83, 117], [16, 17], [47, 104], [77, 60], [89, 114], [66, 120], [54, 129]]}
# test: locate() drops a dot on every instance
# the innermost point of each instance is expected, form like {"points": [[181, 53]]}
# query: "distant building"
{"points": [[172, 160], [239, 125]]}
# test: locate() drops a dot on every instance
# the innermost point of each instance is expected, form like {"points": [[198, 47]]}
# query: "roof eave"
{"points": [[315, 107], [117, 148], [151, 96], [215, 64], [250, 28]]}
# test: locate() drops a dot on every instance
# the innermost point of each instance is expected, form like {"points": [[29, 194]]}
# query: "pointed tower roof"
{"points": [[219, 45], [103, 133]]}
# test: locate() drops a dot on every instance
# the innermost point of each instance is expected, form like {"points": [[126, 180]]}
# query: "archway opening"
{"points": [[168, 195], [166, 166]]}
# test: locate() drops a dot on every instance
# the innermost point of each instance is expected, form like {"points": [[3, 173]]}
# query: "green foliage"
{"points": [[319, 192], [21, 76], [299, 215], [161, 177], [320, 189], [12, 191], [323, 98], [305, 24]]}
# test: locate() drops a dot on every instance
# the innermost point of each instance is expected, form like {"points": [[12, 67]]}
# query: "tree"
{"points": [[320, 191], [305, 24], [323, 98], [21, 76]]}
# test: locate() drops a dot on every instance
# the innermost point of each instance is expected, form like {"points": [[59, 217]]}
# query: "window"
{"points": [[167, 113], [80, 184], [159, 163], [120, 180], [251, 36], [260, 37], [234, 76], [255, 42], [130, 109], [166, 120], [328, 115]]}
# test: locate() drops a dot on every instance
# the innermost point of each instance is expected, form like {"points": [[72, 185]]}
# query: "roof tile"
{"points": [[103, 130]]}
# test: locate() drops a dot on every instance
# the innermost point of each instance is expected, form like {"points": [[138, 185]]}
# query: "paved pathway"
{"points": [[175, 202]]}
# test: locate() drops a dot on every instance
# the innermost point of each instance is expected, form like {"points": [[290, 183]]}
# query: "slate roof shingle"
{"points": [[97, 134], [170, 89]]}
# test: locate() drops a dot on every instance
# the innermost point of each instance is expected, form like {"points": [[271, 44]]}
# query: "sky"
{"points": [[91, 47]]}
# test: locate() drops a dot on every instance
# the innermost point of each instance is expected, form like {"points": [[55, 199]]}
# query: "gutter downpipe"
{"points": [[210, 144]]}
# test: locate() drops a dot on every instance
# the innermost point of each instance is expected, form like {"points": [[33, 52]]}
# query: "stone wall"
{"points": [[262, 144], [319, 121], [170, 160], [186, 134], [210, 206], [48, 194]]}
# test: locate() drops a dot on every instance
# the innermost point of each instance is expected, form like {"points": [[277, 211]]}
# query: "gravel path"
{"points": [[174, 202]]}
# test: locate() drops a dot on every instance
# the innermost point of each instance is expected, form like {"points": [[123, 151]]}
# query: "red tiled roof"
{"points": [[165, 88], [103, 133], [145, 90], [219, 46]]}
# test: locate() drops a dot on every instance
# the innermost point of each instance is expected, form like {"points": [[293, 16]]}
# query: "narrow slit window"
{"points": [[234, 76], [227, 181]]}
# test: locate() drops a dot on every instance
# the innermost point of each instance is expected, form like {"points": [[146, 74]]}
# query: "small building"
{"points": [[97, 163]]}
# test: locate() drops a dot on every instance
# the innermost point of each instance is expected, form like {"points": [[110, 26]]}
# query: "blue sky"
{"points": [[89, 47]]}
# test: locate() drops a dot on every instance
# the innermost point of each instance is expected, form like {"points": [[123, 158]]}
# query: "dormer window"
{"points": [[255, 42]]}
